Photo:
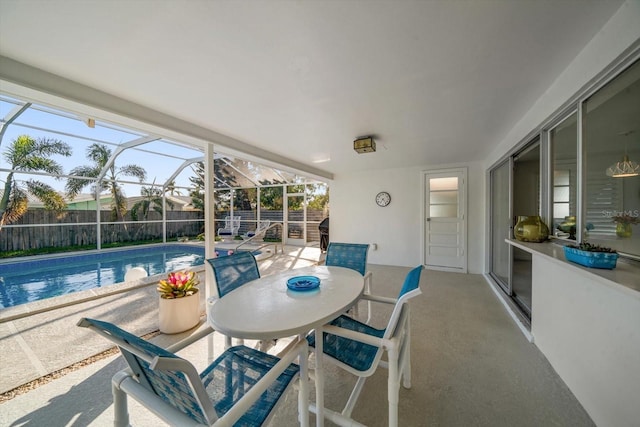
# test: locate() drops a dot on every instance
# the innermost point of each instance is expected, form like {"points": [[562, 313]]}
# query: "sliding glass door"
{"points": [[500, 224], [526, 202], [515, 191]]}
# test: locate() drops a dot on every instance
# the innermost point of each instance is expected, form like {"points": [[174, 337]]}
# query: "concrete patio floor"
{"points": [[471, 364]]}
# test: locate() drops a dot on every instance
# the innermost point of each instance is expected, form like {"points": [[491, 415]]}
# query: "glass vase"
{"points": [[531, 229], [623, 229]]}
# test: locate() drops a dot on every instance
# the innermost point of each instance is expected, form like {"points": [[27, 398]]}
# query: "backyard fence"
{"points": [[295, 222], [40, 228]]}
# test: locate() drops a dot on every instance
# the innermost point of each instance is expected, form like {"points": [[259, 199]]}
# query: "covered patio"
{"points": [[471, 365], [524, 105]]}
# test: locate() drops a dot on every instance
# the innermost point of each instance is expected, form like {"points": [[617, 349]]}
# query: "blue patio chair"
{"points": [[357, 347], [231, 272], [241, 387], [353, 256]]}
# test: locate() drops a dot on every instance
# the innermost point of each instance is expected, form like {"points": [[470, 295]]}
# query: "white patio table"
{"points": [[266, 309]]}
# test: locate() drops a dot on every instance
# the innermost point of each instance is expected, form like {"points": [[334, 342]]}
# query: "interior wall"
{"points": [[397, 228]]}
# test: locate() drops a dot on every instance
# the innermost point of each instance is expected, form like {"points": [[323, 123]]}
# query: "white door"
{"points": [[445, 245]]}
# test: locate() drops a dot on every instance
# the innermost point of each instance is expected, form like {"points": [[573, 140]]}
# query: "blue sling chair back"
{"points": [[233, 271], [357, 348], [353, 256], [230, 272]]}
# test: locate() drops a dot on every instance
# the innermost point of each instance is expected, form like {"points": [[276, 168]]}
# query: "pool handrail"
{"points": [[265, 244]]}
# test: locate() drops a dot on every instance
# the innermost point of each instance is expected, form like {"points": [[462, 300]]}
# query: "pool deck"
{"points": [[43, 338]]}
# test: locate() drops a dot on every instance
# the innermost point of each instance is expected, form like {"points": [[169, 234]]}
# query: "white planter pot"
{"points": [[179, 314]]}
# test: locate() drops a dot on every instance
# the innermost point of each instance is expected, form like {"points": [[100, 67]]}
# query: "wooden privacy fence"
{"points": [[42, 229], [248, 222]]}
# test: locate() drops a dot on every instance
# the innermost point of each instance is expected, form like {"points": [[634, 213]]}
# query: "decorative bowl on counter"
{"points": [[592, 257], [531, 229]]}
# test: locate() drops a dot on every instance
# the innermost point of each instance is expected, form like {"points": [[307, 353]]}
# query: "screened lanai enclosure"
{"points": [[69, 182]]}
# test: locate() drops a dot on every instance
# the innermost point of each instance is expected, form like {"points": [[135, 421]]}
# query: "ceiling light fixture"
{"points": [[321, 160], [626, 167], [364, 144]]}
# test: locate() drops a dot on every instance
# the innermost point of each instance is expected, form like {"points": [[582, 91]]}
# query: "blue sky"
{"points": [[159, 158]]}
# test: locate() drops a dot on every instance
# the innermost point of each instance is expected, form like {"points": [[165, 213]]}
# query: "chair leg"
{"points": [[303, 393], [121, 413], [228, 342], [353, 398], [367, 290], [210, 350], [265, 345], [393, 386], [319, 379], [406, 374], [355, 311]]}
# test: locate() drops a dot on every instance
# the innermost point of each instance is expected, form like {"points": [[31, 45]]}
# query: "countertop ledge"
{"points": [[625, 277]]}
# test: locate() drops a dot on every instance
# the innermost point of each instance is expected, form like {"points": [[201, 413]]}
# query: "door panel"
{"points": [[445, 220], [444, 239]]}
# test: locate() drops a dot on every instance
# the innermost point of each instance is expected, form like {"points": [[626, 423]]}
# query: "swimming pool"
{"points": [[34, 280]]}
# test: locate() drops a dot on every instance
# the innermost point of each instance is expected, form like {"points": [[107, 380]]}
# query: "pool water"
{"points": [[34, 280]]}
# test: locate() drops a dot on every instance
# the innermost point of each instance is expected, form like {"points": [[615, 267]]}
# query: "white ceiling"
{"points": [[435, 81]]}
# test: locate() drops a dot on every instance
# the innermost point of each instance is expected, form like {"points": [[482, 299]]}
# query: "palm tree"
{"points": [[100, 155], [171, 188], [26, 154], [197, 191], [152, 201]]}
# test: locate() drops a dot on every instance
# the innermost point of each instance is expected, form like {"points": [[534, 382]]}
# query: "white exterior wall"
{"points": [[397, 228]]}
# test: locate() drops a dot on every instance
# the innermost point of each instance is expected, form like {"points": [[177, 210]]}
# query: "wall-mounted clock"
{"points": [[383, 198]]}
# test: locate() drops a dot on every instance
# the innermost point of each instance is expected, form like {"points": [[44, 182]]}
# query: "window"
{"points": [[611, 134], [563, 141]]}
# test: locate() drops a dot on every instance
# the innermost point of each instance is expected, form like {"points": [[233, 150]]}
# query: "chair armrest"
{"points": [[198, 335], [125, 382], [354, 335], [379, 298]]}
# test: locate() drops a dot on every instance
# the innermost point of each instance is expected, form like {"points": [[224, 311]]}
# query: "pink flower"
{"points": [[178, 284]]}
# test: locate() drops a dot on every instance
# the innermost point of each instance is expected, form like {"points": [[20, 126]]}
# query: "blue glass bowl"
{"points": [[303, 283]]}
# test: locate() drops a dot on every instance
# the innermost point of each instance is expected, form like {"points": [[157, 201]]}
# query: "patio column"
{"points": [[209, 229]]}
